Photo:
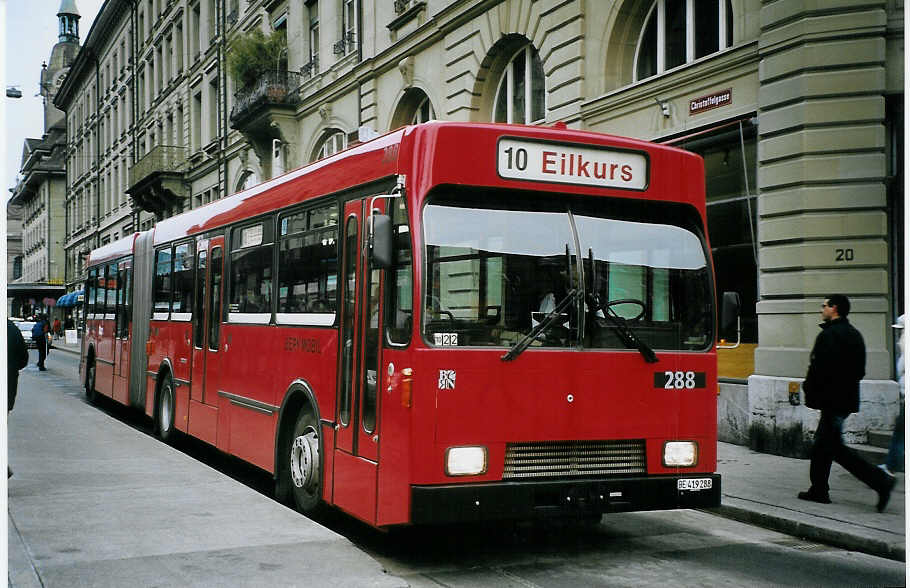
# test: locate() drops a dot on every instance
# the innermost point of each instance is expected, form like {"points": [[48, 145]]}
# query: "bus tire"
{"points": [[165, 410], [303, 464], [90, 394]]}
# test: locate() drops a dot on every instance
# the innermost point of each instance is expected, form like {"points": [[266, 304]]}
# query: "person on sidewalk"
{"points": [[16, 359], [895, 460], [836, 366], [39, 336], [57, 329]]}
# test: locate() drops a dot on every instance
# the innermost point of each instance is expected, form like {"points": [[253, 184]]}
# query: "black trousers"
{"points": [[829, 447], [42, 350], [12, 385]]}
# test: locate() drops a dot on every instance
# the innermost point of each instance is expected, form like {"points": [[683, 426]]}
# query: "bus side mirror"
{"points": [[729, 315], [382, 249]]}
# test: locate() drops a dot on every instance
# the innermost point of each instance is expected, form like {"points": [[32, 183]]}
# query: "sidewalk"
{"points": [[94, 502], [761, 489]]}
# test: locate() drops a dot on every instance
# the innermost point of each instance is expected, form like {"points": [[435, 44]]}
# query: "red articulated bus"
{"points": [[451, 322]]}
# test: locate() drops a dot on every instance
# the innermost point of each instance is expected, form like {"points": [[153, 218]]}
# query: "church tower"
{"points": [[62, 56]]}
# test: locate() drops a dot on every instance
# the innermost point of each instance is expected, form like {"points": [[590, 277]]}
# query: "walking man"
{"points": [[39, 336], [836, 366]]}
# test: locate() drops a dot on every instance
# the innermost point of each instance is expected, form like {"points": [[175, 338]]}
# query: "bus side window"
{"points": [[183, 280], [400, 307], [127, 299], [100, 291], [162, 291], [251, 271], [113, 289], [307, 267], [215, 299], [90, 291], [199, 308]]}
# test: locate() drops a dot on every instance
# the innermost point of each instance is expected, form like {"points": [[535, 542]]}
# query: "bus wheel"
{"points": [[304, 465], [166, 410], [90, 393]]}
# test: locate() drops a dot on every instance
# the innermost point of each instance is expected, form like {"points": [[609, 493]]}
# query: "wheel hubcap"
{"points": [[166, 408], [305, 460]]}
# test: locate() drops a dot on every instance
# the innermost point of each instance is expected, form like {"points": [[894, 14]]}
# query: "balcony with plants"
{"points": [[258, 65]]}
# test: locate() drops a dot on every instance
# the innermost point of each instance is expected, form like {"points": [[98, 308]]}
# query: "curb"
{"points": [[67, 350], [808, 531]]}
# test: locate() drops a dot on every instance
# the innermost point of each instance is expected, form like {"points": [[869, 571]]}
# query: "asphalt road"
{"points": [[676, 548]]}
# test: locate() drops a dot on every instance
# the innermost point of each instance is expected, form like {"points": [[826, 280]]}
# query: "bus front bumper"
{"points": [[525, 500]]}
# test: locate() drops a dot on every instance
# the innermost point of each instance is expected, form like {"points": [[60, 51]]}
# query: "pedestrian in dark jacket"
{"points": [[836, 366], [39, 336], [16, 359]]}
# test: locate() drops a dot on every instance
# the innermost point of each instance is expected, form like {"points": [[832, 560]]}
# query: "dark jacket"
{"points": [[836, 366], [16, 359]]}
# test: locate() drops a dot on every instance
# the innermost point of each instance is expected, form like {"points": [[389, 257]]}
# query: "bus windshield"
{"points": [[635, 271]]}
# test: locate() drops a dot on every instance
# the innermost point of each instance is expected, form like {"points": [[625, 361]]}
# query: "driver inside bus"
{"points": [[553, 283]]}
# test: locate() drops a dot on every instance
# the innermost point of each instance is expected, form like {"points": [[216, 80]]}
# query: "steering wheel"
{"points": [[608, 307]]}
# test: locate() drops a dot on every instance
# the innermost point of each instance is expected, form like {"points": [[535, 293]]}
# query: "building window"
{"points": [[414, 108], [520, 97], [247, 180], [730, 156], [213, 110], [424, 112], [334, 141], [313, 13], [348, 39], [196, 126], [677, 32]]}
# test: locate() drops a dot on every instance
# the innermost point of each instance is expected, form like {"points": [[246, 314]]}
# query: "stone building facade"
{"points": [[38, 197], [796, 107]]}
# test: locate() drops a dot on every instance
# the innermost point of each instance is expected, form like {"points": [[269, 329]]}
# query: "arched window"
{"points": [[247, 180], [413, 108], [333, 141], [679, 31], [424, 112], [520, 97]]}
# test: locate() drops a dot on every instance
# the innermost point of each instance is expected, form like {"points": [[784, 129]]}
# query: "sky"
{"points": [[30, 32]]}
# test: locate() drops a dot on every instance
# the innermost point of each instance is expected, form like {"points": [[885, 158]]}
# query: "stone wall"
{"points": [[760, 414]]}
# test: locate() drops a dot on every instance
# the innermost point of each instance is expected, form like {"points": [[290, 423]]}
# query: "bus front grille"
{"points": [[572, 459]]}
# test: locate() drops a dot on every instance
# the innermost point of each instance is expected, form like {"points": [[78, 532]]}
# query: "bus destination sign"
{"points": [[571, 164]]}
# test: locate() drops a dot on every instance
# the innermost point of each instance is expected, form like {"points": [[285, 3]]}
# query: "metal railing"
{"points": [[162, 158], [273, 87]]}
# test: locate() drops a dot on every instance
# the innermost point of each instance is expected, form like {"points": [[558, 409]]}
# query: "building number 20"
{"points": [[679, 380]]}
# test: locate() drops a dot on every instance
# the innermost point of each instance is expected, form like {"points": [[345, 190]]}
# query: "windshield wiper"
{"points": [[573, 295], [629, 338]]}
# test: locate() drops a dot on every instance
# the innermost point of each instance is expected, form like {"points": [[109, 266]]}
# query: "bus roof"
{"points": [[442, 152], [112, 251]]}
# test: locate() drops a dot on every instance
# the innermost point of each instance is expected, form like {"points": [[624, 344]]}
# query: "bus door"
{"points": [[105, 311], [122, 331], [357, 438], [206, 328]]}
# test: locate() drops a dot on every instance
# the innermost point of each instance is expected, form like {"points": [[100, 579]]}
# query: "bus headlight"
{"points": [[680, 454], [466, 461]]}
